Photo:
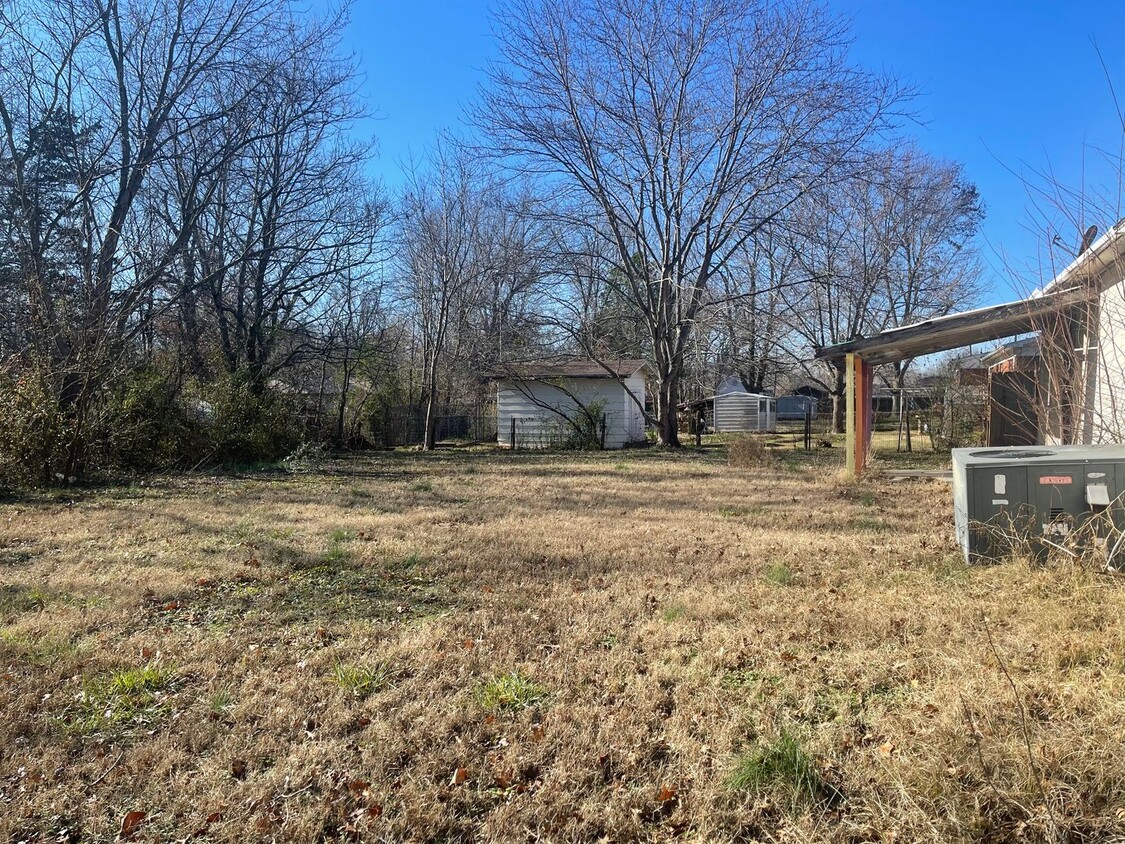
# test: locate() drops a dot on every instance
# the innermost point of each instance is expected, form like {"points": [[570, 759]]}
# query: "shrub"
{"points": [[748, 452], [34, 433], [249, 425], [148, 424]]}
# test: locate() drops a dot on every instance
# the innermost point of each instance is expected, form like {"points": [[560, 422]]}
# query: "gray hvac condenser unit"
{"points": [[1038, 494]]}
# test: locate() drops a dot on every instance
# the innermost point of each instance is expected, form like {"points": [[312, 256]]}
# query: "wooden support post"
{"points": [[858, 383], [850, 415], [865, 375]]}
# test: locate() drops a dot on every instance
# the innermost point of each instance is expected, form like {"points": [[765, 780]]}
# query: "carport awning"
{"points": [[956, 330]]}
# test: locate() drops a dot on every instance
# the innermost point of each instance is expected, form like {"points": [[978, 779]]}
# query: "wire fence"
{"points": [[407, 426]]}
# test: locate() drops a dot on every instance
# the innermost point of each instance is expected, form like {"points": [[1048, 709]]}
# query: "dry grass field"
{"points": [[475, 646]]}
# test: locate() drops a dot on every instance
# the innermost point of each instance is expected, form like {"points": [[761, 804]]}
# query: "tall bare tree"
{"points": [[289, 214], [443, 215], [127, 79], [674, 131]]}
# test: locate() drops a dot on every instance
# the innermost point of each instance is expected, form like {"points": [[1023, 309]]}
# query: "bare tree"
{"points": [[443, 213], [925, 215], [746, 312], [126, 80], [838, 299], [676, 130], [289, 215]]}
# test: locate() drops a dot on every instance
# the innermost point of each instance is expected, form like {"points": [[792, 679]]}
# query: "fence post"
{"points": [[808, 427], [601, 424], [512, 439]]}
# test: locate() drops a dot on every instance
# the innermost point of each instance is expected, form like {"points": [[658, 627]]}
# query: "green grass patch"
{"points": [[791, 461], [422, 486], [124, 700], [870, 524], [779, 574], [509, 692], [339, 553], [671, 614], [41, 652], [221, 703], [951, 568], [361, 680], [781, 768], [17, 598], [740, 679]]}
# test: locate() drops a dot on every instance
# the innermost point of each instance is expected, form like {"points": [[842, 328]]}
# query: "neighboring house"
{"points": [[559, 402], [1098, 335], [790, 408]]}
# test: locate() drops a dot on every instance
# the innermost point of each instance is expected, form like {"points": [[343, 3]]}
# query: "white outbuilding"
{"points": [[733, 410], [744, 413], [572, 401]]}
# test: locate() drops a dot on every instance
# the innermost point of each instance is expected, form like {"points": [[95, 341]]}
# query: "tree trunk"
{"points": [[430, 425], [669, 423], [839, 401], [431, 421]]}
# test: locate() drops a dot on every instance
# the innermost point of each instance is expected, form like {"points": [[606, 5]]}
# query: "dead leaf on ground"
{"points": [[460, 776], [666, 793], [130, 824], [238, 769], [358, 787]]}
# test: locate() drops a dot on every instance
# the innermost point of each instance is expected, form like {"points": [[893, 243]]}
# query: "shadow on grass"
{"points": [[294, 587]]}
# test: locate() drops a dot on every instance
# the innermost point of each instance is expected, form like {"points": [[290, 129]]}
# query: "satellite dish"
{"points": [[1088, 239]]}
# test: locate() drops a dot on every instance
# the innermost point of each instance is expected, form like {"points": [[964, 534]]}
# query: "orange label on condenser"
{"points": [[1055, 480]]}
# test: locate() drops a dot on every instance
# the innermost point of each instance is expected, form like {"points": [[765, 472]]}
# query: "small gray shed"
{"points": [[733, 410], [743, 412]]}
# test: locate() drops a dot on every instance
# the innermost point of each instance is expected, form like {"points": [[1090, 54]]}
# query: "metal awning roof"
{"points": [[956, 330]]}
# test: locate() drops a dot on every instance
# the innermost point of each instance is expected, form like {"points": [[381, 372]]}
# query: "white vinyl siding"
{"points": [[1108, 400], [541, 410]]}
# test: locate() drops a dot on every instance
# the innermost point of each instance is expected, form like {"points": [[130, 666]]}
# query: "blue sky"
{"points": [[1007, 88]]}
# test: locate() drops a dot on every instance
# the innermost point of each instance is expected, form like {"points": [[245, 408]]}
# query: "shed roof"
{"points": [[1027, 347], [567, 367], [956, 330], [732, 394]]}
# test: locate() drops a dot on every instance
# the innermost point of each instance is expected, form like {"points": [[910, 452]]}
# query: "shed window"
{"points": [[762, 406]]}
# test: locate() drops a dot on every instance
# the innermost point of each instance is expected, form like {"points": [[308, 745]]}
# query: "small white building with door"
{"points": [[571, 402], [734, 410]]}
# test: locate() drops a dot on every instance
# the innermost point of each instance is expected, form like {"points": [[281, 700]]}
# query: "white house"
{"points": [[573, 401]]}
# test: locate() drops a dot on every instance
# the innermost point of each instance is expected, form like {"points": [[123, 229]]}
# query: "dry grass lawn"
{"points": [[490, 647]]}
